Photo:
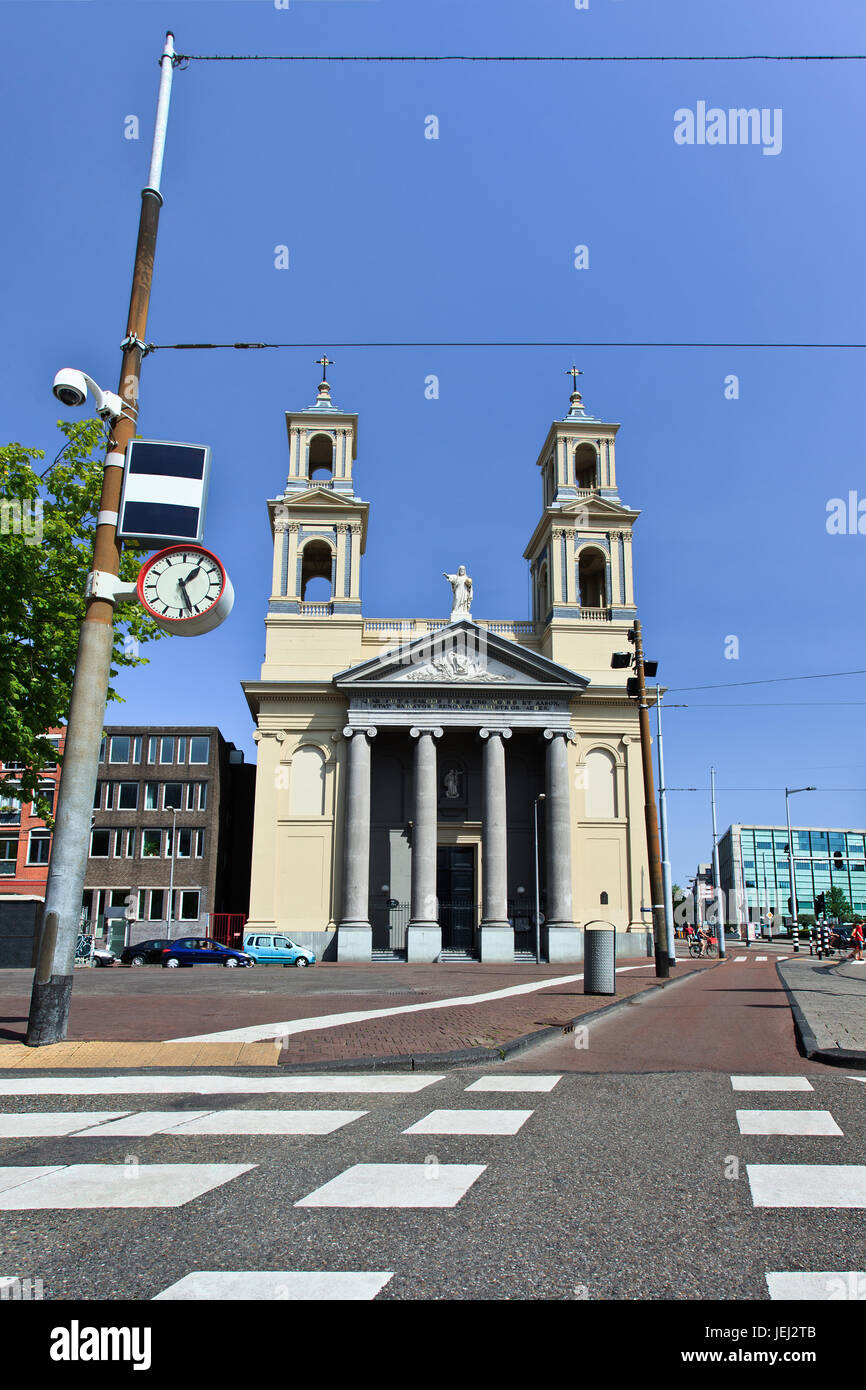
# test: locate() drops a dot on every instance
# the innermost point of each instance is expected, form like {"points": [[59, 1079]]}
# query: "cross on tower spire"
{"points": [[574, 373], [324, 362]]}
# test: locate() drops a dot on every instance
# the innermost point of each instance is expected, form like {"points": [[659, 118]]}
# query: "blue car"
{"points": [[203, 950], [275, 948]]}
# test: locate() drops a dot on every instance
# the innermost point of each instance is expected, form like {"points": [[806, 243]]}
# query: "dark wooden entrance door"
{"points": [[455, 888]]}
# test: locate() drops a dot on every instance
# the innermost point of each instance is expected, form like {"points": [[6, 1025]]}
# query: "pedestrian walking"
{"points": [[857, 942]]}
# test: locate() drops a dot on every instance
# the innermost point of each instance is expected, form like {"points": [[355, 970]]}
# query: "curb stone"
{"points": [[832, 1056]]}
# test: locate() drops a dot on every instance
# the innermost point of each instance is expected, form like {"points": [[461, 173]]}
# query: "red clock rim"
{"points": [[170, 550]]}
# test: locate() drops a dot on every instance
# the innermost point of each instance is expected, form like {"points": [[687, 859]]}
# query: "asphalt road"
{"points": [[626, 1174]]}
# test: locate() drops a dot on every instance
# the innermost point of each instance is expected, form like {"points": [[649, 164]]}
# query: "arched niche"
{"points": [[320, 458], [307, 781], [600, 777]]}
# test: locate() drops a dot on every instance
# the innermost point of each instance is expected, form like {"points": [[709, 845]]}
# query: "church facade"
{"points": [[421, 782]]}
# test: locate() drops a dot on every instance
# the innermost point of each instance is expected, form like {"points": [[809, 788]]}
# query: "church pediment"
{"points": [[317, 497], [461, 654], [599, 509]]}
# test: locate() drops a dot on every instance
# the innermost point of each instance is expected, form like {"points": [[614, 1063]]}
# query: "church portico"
{"points": [[405, 763]]}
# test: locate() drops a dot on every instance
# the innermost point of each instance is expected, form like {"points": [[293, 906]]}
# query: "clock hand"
{"points": [[182, 587], [192, 574]]}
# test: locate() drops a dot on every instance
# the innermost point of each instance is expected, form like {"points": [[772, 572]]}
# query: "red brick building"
{"points": [[25, 840]]}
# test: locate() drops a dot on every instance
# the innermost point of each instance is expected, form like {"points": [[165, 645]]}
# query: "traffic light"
{"points": [[820, 905], [790, 905]]}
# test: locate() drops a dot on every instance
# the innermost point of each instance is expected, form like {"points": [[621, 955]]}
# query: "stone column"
{"points": [[424, 934], [564, 941], [497, 934], [355, 935]]}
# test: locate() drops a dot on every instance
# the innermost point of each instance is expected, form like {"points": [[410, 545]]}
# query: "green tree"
{"points": [[46, 546], [838, 906]]}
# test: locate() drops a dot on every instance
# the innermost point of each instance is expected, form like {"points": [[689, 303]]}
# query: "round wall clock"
{"points": [[185, 589]]}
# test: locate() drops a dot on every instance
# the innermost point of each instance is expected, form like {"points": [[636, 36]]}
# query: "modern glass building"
{"points": [[754, 867]]}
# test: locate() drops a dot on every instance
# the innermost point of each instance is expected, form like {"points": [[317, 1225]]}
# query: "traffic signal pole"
{"points": [[652, 827], [52, 984]]}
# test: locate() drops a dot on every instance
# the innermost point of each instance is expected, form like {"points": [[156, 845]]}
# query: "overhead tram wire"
{"points": [[185, 58], [465, 343]]}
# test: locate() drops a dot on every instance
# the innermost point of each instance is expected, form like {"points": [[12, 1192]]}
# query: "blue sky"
{"points": [[471, 236]]}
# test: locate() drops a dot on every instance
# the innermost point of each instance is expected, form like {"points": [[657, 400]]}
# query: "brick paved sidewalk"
{"points": [[100, 1019], [831, 1000]]}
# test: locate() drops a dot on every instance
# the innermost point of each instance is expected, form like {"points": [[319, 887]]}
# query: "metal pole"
{"points": [[795, 920], [663, 815], [652, 828], [171, 872], [537, 886], [52, 983], [720, 904]]}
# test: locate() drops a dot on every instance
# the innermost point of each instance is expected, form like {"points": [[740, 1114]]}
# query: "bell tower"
{"points": [[580, 557], [319, 525]]}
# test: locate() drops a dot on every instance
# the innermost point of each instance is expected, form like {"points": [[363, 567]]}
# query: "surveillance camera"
{"points": [[70, 387]]}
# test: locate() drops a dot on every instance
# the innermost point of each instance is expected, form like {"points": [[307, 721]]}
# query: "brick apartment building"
{"points": [[171, 803], [172, 806]]}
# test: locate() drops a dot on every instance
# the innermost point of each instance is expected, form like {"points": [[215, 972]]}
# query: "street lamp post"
{"points": [[171, 871], [540, 797], [795, 912], [720, 902]]}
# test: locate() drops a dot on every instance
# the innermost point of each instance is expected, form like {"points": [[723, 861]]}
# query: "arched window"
{"points": [[591, 578], [321, 457], [586, 466], [316, 572], [600, 784], [308, 782]]}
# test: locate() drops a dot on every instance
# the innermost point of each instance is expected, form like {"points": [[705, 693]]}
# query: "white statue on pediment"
{"points": [[461, 591]]}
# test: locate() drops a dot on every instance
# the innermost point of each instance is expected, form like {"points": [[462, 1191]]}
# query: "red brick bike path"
{"points": [[127, 1006]]}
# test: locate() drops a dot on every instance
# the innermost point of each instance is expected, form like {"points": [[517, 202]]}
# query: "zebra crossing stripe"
{"points": [[293, 1285], [807, 1184], [787, 1122], [470, 1122], [397, 1185], [771, 1083], [138, 1085], [514, 1083], [47, 1124], [100, 1185], [814, 1286]]}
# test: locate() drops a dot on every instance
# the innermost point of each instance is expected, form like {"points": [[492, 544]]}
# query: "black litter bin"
{"points": [[599, 965]]}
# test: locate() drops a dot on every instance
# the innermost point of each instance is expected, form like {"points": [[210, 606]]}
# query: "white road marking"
{"points": [[807, 1184], [787, 1122], [760, 958], [771, 1083], [270, 1122], [397, 1185], [100, 1185], [288, 1285], [39, 1124], [142, 1125], [15, 1177], [514, 1083], [471, 1122], [817, 1285], [737, 959], [259, 1031], [140, 1085]]}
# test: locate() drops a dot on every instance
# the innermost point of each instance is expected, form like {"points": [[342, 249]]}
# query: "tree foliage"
{"points": [[47, 529], [837, 905]]}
